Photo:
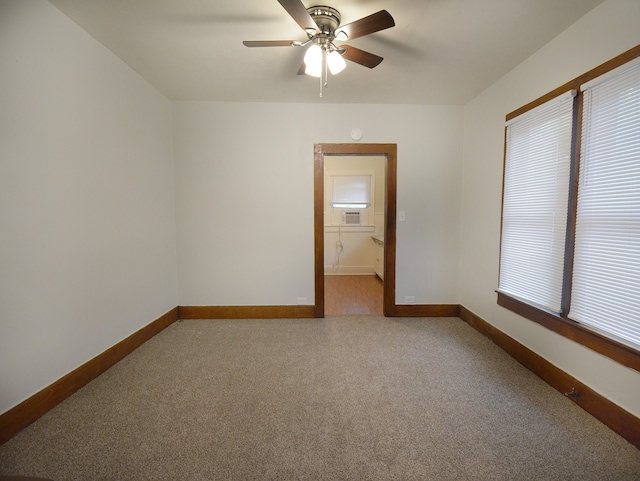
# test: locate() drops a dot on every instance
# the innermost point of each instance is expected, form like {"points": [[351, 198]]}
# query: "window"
{"points": [[536, 195], [349, 198], [350, 191], [570, 243], [606, 272]]}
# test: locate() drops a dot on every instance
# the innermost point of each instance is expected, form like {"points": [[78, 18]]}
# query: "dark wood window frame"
{"points": [[602, 343]]}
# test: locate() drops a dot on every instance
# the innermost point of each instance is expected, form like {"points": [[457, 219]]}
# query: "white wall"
{"points": [[605, 32], [238, 164], [87, 236]]}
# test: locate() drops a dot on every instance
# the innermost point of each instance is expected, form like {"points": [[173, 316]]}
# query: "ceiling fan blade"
{"points": [[373, 23], [268, 43], [360, 56], [299, 13]]}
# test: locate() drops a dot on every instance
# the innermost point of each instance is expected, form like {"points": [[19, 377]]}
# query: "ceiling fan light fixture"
{"points": [[313, 61], [313, 71], [341, 35], [335, 62], [321, 24]]}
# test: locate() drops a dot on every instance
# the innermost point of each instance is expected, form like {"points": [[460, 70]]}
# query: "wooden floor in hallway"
{"points": [[352, 295]]}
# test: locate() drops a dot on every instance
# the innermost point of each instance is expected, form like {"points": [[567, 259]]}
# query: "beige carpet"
{"points": [[342, 398]]}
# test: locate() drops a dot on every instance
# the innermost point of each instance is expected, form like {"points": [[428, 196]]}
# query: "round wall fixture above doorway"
{"points": [[356, 134]]}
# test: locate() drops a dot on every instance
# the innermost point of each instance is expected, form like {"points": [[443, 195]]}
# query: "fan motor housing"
{"points": [[327, 18]]}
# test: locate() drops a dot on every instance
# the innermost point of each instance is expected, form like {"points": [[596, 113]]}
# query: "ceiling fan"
{"points": [[322, 26]]}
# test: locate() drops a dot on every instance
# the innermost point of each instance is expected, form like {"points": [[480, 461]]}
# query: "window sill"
{"points": [[349, 228], [617, 351]]}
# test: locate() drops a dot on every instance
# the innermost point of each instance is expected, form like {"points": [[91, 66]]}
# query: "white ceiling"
{"points": [[439, 52]]}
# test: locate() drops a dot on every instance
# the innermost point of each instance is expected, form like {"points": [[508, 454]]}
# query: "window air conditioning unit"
{"points": [[352, 218]]}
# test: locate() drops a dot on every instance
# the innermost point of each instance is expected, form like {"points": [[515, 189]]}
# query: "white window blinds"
{"points": [[606, 272], [351, 191], [535, 203]]}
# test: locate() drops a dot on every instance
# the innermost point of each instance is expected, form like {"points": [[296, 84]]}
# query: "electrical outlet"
{"points": [[410, 299], [302, 300], [401, 216]]}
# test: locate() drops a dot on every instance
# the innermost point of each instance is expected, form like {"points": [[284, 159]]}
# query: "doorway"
{"points": [[389, 152]]}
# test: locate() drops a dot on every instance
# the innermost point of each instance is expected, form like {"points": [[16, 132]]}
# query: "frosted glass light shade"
{"points": [[336, 62], [313, 61]]}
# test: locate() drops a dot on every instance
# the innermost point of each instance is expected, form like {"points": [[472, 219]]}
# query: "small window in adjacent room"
{"points": [[350, 191], [349, 198]]}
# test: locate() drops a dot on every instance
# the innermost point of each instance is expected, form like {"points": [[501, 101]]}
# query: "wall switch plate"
{"points": [[401, 216]]}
